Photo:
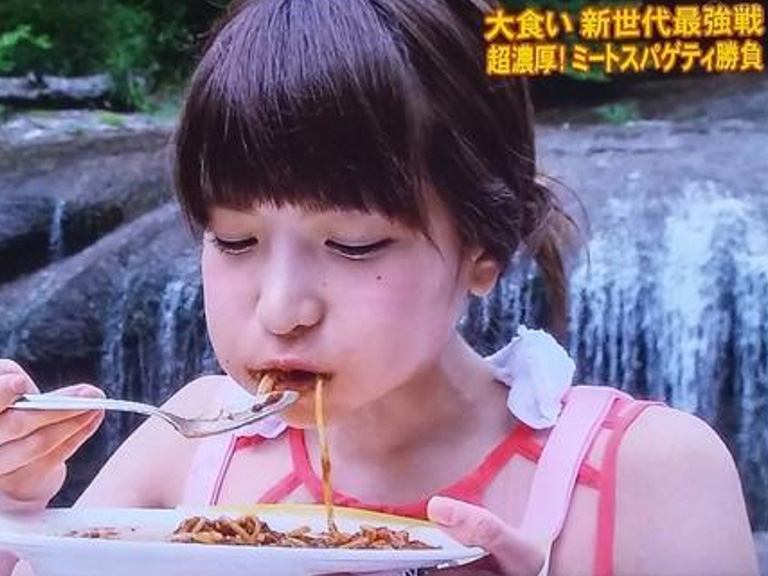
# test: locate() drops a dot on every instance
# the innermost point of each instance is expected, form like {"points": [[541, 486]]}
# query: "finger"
{"points": [[7, 365], [21, 452], [13, 385], [20, 381], [68, 447], [17, 424], [44, 476], [475, 526], [31, 490]]}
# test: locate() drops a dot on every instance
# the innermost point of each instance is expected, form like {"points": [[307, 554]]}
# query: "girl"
{"points": [[354, 175]]}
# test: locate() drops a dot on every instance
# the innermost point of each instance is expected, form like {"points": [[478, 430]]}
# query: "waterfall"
{"points": [[681, 318], [113, 378], [56, 236], [155, 338], [179, 346]]}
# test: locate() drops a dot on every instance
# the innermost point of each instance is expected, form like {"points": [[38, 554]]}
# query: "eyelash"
{"points": [[235, 247], [357, 252]]}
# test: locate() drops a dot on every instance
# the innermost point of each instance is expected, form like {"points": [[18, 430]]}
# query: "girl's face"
{"points": [[354, 295]]}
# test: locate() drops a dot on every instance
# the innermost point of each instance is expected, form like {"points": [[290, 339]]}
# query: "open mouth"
{"points": [[279, 380]]}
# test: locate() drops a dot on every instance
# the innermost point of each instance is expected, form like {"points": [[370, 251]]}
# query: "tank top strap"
{"points": [[566, 448], [606, 507], [207, 470]]}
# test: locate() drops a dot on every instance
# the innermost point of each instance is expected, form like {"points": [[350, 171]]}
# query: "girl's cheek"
{"points": [[382, 300], [222, 302], [411, 289]]}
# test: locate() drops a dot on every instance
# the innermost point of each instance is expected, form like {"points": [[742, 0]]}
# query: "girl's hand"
{"points": [[511, 553], [35, 445]]}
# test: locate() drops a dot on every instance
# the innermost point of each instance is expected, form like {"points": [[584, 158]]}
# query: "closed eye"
{"points": [[233, 246], [357, 252]]}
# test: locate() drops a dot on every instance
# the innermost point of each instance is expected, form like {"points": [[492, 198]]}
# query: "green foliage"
{"points": [[128, 56], [140, 43], [15, 41], [595, 74], [618, 112], [111, 119]]}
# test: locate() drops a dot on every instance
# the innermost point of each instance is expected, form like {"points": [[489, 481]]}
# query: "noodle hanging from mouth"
{"points": [[325, 458], [266, 384]]}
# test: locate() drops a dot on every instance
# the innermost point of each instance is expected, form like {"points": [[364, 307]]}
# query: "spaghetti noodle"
{"points": [[250, 530], [325, 457]]}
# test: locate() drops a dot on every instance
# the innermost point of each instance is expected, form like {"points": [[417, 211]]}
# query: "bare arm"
{"points": [[679, 503]]}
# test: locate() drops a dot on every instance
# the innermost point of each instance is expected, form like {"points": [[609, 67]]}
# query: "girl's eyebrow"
{"points": [[222, 215]]}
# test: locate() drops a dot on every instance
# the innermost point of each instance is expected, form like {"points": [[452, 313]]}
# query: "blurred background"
{"points": [[99, 280]]}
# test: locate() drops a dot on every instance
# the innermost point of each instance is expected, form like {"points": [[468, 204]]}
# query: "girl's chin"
{"points": [[302, 414], [298, 417]]}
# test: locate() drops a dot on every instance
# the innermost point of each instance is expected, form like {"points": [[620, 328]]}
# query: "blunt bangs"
{"points": [[303, 103], [366, 105]]}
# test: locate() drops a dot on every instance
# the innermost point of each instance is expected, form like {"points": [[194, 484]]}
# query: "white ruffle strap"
{"points": [[538, 372]]}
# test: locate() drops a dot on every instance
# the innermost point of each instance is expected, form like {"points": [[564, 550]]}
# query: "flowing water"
{"points": [[56, 236], [676, 312], [154, 338]]}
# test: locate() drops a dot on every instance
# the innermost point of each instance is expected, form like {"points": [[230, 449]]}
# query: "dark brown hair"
{"points": [[366, 104]]}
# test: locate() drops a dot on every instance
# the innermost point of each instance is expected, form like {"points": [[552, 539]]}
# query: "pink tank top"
{"points": [[560, 466]]}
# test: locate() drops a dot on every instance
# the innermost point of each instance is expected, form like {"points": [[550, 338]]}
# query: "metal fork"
{"points": [[262, 406]]}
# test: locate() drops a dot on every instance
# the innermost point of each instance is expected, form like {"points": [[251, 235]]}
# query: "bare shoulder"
{"points": [[199, 393], [151, 466], [679, 502], [661, 436]]}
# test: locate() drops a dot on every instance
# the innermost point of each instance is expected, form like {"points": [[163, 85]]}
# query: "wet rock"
{"points": [[55, 319], [46, 140], [56, 91], [761, 543], [59, 196], [124, 313], [25, 226]]}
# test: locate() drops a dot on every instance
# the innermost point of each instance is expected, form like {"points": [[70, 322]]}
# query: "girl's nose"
{"points": [[289, 300]]}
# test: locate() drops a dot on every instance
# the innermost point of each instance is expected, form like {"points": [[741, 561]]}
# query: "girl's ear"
{"points": [[484, 271]]}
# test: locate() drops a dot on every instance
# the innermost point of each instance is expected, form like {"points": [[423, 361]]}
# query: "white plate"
{"points": [[40, 540]]}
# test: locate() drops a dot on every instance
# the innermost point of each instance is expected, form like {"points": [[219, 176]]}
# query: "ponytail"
{"points": [[553, 242]]}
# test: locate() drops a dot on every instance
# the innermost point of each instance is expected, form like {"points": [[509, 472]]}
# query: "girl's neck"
{"points": [[426, 423]]}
